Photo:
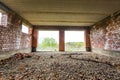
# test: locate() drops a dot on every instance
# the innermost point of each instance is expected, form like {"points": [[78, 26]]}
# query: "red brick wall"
{"points": [[25, 41], [11, 37], [106, 34]]}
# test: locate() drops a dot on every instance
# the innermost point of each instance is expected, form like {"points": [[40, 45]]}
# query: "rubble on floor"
{"points": [[53, 66]]}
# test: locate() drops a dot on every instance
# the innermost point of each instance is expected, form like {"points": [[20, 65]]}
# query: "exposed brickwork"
{"points": [[11, 37], [106, 35], [26, 41]]}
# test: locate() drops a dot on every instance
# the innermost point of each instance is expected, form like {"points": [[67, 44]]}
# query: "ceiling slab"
{"points": [[63, 12]]}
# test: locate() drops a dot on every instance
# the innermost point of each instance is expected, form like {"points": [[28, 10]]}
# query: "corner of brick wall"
{"points": [[11, 37]]}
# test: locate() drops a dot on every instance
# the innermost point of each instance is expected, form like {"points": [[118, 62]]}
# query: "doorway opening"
{"points": [[74, 41], [48, 41]]}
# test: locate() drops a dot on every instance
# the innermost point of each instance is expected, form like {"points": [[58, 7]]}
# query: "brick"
{"points": [[106, 35], [11, 37]]}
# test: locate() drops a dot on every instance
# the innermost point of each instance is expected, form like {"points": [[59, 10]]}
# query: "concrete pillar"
{"points": [[87, 40], [34, 40], [61, 41]]}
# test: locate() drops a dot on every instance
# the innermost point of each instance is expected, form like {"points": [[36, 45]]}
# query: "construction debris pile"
{"points": [[15, 57], [53, 66]]}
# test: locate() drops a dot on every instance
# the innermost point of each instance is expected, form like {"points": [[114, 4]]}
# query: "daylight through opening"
{"points": [[0, 17], [25, 29], [74, 41], [48, 41]]}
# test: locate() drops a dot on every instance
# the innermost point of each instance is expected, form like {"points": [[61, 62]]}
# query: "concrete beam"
{"points": [[10, 11], [42, 27]]}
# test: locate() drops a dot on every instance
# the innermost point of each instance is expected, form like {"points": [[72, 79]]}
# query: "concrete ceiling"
{"points": [[63, 12]]}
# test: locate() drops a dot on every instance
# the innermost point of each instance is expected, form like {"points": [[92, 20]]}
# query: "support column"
{"points": [[61, 40], [87, 40], [34, 40], [30, 33]]}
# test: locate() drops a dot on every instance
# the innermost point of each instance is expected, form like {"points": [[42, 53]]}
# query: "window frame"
{"points": [[4, 18]]}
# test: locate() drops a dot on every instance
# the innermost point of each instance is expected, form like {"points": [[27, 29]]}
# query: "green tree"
{"points": [[49, 42], [74, 46]]}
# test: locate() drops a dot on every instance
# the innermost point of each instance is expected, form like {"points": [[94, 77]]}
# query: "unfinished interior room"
{"points": [[59, 39]]}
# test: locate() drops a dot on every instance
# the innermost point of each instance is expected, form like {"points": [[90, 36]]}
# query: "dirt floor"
{"points": [[60, 66]]}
